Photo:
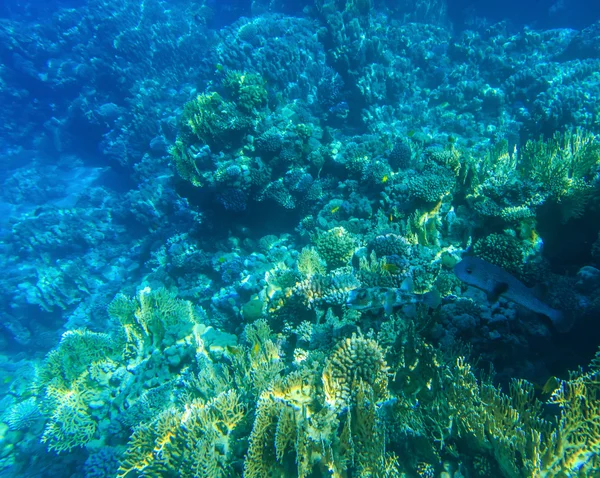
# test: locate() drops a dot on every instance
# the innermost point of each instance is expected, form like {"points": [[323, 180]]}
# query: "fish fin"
{"points": [[499, 289], [550, 386], [388, 308], [408, 285], [432, 299], [388, 303], [562, 322]]}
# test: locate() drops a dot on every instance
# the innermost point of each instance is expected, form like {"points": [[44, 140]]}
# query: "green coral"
{"points": [[510, 184], [503, 250], [574, 446], [305, 429], [336, 246], [432, 184], [562, 165], [155, 318], [90, 374], [208, 119], [247, 89], [310, 263], [196, 440], [185, 163], [75, 352], [564, 168]]}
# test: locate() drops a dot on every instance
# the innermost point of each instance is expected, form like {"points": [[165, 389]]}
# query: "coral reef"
{"points": [[190, 195]]}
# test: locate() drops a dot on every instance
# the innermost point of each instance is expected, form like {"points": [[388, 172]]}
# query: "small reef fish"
{"points": [[386, 298], [496, 282]]}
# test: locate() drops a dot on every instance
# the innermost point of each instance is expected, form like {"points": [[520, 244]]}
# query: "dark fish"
{"points": [[386, 298], [496, 282]]}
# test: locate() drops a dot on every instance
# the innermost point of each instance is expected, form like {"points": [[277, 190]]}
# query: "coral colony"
{"points": [[319, 238]]}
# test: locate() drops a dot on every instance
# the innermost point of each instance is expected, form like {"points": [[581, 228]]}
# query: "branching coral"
{"points": [[185, 163], [574, 446], [152, 319], [336, 247], [255, 366], [70, 423], [196, 441], [283, 422], [559, 163], [76, 351], [90, 372], [209, 119], [247, 89], [356, 360], [333, 433], [509, 185], [564, 168], [310, 263]]}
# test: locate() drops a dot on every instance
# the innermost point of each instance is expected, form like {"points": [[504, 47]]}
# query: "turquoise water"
{"points": [[229, 234]]}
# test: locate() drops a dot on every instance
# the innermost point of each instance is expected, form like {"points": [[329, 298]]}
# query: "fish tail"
{"points": [[563, 322]]}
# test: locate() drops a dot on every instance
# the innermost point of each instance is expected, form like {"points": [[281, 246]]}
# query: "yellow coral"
{"points": [[356, 360], [154, 318], [76, 350], [70, 424], [336, 247], [310, 263], [196, 441], [575, 444], [283, 422]]}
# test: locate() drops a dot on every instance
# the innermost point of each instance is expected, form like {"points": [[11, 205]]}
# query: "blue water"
{"points": [[190, 190]]}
